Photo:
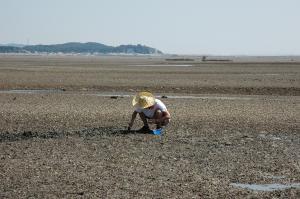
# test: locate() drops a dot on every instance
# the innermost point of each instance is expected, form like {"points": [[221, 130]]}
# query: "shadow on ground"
{"points": [[84, 133]]}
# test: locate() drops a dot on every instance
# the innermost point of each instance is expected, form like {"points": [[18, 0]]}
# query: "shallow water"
{"points": [[266, 187], [179, 97], [116, 95], [128, 94], [160, 65], [209, 97]]}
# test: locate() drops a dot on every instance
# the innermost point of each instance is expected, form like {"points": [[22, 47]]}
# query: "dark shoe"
{"points": [[144, 129]]}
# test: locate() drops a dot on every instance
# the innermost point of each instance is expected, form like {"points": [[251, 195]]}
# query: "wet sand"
{"points": [[72, 142], [130, 74]]}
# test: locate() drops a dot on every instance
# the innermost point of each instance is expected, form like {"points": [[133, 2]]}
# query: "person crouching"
{"points": [[150, 110]]}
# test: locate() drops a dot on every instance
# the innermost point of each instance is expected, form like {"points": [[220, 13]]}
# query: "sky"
{"points": [[211, 27]]}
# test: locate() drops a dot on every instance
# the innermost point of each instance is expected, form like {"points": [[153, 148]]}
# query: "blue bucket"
{"points": [[157, 131]]}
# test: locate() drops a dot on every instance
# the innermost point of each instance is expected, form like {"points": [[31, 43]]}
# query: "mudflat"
{"points": [[158, 74], [63, 128]]}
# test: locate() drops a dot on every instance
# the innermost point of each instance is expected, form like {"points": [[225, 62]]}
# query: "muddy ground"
{"points": [[153, 73], [72, 143]]}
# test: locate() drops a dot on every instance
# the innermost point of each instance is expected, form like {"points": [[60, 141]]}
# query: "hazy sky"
{"points": [[247, 27]]}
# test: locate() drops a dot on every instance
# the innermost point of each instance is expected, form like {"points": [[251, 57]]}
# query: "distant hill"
{"points": [[11, 49], [13, 45], [76, 47]]}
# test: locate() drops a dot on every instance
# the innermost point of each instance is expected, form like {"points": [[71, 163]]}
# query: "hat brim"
{"points": [[143, 100]]}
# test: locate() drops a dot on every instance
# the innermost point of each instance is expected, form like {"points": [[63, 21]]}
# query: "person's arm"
{"points": [[133, 116]]}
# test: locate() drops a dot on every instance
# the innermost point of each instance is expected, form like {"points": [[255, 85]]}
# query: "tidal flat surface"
{"points": [[72, 142]]}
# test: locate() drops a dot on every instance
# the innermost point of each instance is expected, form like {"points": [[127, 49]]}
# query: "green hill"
{"points": [[76, 47], [11, 49]]}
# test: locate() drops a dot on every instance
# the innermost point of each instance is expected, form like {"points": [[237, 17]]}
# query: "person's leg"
{"points": [[144, 119], [165, 122], [145, 128], [158, 116]]}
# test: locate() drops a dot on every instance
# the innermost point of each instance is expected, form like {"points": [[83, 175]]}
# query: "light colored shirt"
{"points": [[150, 112]]}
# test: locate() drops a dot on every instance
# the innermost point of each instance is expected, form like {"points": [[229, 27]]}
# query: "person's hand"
{"points": [[129, 126]]}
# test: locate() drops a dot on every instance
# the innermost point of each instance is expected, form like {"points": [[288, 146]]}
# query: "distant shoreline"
{"points": [[172, 58]]}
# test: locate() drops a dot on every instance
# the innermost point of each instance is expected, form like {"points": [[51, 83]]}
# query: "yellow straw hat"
{"points": [[143, 100]]}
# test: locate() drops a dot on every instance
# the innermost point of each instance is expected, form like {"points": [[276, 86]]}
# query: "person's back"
{"points": [[159, 105]]}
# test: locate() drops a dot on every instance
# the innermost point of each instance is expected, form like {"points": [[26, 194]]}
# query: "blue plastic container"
{"points": [[157, 131]]}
